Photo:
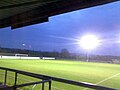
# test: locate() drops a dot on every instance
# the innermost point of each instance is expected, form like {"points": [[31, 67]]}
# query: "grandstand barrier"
{"points": [[49, 58], [30, 57], [18, 57], [44, 79], [9, 57], [24, 57]]}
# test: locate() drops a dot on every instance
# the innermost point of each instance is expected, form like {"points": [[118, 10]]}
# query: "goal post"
{"points": [[21, 55]]}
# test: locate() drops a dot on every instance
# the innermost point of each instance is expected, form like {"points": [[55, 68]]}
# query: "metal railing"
{"points": [[45, 79]]}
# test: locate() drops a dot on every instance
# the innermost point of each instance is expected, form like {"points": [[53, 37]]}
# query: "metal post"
{"points": [[50, 85], [87, 57], [5, 78], [43, 85], [15, 81]]}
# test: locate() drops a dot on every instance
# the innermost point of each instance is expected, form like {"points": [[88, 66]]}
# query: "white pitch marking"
{"points": [[105, 79], [34, 86]]}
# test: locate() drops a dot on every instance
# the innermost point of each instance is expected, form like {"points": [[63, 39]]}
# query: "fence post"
{"points": [[5, 78], [14, 88], [43, 85], [50, 84]]}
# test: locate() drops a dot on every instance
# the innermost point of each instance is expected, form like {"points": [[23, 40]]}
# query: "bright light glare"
{"points": [[23, 44], [89, 42]]}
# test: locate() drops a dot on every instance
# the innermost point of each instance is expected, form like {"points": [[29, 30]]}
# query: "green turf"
{"points": [[74, 70]]}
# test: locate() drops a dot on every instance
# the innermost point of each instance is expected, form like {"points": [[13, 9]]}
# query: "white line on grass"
{"points": [[105, 79], [108, 78], [34, 86]]}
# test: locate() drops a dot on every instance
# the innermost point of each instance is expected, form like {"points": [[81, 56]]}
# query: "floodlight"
{"points": [[23, 44], [89, 42]]}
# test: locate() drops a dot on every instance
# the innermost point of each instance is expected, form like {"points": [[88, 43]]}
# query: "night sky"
{"points": [[63, 30]]}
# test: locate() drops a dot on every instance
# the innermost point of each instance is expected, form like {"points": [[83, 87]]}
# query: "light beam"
{"points": [[89, 42]]}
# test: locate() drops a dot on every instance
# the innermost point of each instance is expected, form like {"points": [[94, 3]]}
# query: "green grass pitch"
{"points": [[96, 73]]}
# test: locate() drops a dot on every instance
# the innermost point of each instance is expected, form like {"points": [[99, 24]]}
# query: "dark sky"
{"points": [[62, 31]]}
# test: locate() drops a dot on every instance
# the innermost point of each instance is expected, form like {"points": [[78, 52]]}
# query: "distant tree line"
{"points": [[11, 51], [63, 54]]}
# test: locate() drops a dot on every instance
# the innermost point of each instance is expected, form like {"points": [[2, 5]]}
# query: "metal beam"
{"points": [[25, 4]]}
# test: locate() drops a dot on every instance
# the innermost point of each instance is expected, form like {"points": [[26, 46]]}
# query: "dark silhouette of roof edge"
{"points": [[43, 12]]}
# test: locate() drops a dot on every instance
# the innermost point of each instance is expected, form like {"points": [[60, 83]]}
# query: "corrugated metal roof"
{"points": [[12, 7], [16, 2], [19, 13]]}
